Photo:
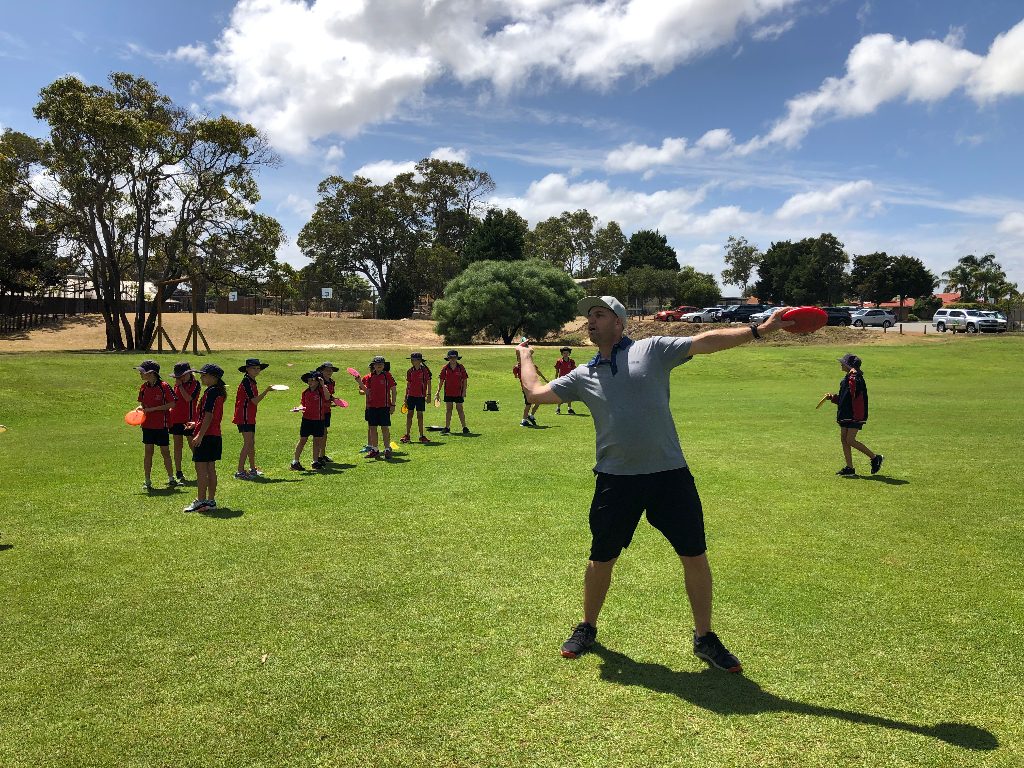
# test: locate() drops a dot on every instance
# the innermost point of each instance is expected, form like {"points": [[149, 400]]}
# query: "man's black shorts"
{"points": [[453, 399], [416, 403], [208, 450], [311, 428], [246, 427], [179, 429], [673, 507], [155, 437], [378, 417]]}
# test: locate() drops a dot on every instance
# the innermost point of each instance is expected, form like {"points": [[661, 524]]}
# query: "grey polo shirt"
{"points": [[628, 396]]}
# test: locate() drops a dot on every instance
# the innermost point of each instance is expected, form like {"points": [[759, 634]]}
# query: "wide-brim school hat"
{"points": [[453, 353], [378, 359], [565, 349], [416, 356], [252, 362], [212, 369], [180, 369], [587, 303], [309, 375], [851, 360], [325, 365], [147, 366]]}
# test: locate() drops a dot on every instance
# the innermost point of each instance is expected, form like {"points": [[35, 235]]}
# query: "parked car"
{"points": [[838, 316], [865, 317], [1001, 322], [706, 315], [740, 313], [673, 315], [965, 320], [764, 314]]}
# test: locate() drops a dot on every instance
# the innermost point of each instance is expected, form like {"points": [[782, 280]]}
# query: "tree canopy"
{"points": [[742, 259], [647, 248]]}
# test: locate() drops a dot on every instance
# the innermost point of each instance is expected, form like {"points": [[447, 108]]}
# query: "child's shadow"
{"points": [[221, 513], [334, 468], [881, 479], [5, 547], [272, 480], [735, 694], [162, 491]]}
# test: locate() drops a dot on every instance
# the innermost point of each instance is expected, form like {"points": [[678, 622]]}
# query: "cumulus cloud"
{"points": [[881, 69], [383, 171], [825, 200], [302, 71], [640, 157], [1012, 224]]}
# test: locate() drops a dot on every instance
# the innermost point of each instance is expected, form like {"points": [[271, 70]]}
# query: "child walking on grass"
{"points": [[206, 442], [155, 400], [852, 414]]}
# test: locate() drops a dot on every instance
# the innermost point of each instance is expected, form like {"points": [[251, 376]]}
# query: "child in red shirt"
{"points": [[186, 398], [247, 398], [417, 390], [563, 366], [327, 370], [314, 407], [206, 441], [455, 381], [155, 400], [381, 392], [529, 412]]}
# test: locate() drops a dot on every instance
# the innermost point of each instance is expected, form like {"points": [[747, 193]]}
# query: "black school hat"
{"points": [[251, 362]]}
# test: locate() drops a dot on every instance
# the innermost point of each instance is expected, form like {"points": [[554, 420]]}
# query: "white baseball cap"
{"points": [[587, 303]]}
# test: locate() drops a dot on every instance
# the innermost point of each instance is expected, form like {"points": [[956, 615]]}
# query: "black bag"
{"points": [[490, 405]]}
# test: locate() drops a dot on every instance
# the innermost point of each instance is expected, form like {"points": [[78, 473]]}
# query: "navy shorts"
{"points": [[311, 428], [673, 507], [327, 420], [208, 450], [378, 417], [851, 424], [246, 427], [155, 436], [179, 429], [450, 399], [416, 403]]}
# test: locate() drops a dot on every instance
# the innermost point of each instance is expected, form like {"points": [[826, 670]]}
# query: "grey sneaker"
{"points": [[710, 649], [580, 641], [195, 506]]}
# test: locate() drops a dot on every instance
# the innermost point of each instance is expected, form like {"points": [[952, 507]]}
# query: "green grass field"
{"points": [[410, 614]]}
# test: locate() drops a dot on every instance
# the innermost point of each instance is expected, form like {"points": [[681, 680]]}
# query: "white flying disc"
{"points": [[279, 387]]}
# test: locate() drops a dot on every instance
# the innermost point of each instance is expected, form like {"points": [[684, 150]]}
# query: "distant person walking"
{"points": [[852, 414], [640, 465]]}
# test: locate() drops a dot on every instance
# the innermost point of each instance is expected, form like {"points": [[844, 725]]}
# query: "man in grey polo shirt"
{"points": [[640, 465]]}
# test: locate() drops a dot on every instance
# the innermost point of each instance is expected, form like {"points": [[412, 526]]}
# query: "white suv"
{"points": [[882, 317], [966, 320]]}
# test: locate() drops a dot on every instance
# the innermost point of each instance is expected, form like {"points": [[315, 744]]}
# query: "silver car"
{"points": [[866, 317]]}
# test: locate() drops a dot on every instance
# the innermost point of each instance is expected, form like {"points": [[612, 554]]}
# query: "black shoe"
{"points": [[326, 459], [847, 471], [876, 463], [298, 467], [580, 641], [445, 431], [316, 465], [465, 430], [180, 478], [710, 649]]}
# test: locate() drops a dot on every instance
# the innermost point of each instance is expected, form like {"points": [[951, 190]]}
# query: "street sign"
{"points": [[326, 293], [233, 296]]}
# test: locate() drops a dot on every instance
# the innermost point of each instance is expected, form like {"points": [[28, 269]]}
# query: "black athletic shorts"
{"points": [[449, 399], [851, 424], [179, 429], [155, 436], [672, 504], [208, 450], [311, 428], [378, 417], [327, 419], [246, 427], [416, 403]]}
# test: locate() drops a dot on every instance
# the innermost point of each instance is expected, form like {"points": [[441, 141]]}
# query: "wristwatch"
{"points": [[753, 330]]}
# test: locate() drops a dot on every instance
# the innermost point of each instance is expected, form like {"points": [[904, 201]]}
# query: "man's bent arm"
{"points": [[727, 338], [536, 393]]}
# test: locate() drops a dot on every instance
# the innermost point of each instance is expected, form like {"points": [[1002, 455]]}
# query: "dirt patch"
{"points": [[241, 332]]}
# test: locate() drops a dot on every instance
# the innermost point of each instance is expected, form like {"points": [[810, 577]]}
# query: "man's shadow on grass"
{"points": [[735, 694], [221, 513]]}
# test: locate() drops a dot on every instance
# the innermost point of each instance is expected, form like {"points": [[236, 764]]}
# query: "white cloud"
{"points": [[1012, 224], [384, 171], [302, 71], [773, 31], [824, 200], [639, 157], [881, 69], [450, 154], [297, 205]]}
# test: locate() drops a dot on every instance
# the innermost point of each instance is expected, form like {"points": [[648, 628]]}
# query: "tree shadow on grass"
{"points": [[736, 694], [221, 513]]}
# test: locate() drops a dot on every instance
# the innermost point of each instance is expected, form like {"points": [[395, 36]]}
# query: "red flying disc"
{"points": [[339, 402], [805, 319], [134, 418]]}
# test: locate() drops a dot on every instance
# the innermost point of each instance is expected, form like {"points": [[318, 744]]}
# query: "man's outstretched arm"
{"points": [[537, 393], [727, 338]]}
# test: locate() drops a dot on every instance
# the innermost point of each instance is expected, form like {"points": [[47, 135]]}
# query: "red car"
{"points": [[673, 315]]}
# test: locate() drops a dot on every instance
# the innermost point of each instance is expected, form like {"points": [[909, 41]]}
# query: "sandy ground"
{"points": [[272, 332]]}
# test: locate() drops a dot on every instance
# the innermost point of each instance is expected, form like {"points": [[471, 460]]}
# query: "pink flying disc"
{"points": [[339, 402], [353, 372], [806, 319], [134, 418]]}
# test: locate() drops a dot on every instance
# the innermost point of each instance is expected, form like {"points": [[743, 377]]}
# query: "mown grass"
{"points": [[410, 613]]}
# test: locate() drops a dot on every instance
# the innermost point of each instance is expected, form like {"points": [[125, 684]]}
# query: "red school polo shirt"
{"points": [[210, 403], [453, 379], [152, 396], [316, 404], [377, 387], [245, 408], [184, 411], [563, 367], [417, 382]]}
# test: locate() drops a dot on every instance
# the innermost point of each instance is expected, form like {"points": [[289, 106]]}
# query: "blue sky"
{"points": [[892, 125]]}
